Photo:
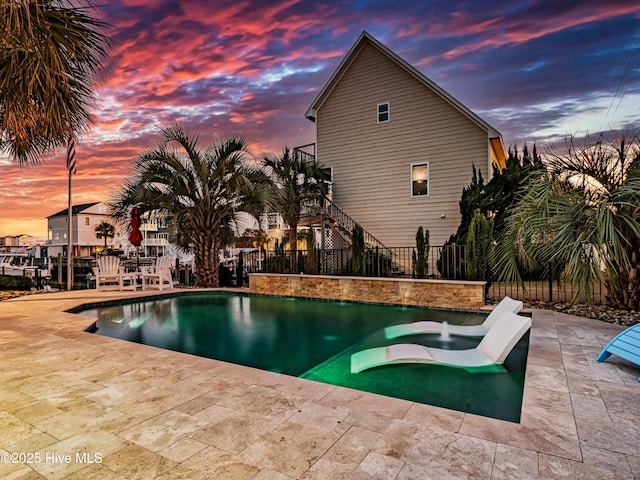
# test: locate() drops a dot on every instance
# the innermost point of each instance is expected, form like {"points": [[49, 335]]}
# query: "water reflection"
{"points": [[265, 332]]}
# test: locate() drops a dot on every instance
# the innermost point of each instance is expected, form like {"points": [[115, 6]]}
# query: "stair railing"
{"points": [[331, 210]]}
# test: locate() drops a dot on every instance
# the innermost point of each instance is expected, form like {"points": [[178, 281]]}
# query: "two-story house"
{"points": [[85, 218], [400, 148]]}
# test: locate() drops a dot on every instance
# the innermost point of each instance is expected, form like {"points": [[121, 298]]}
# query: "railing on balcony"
{"points": [[306, 152]]}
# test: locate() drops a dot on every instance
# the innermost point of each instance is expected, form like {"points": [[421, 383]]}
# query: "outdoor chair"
{"points": [[625, 345], [108, 274], [488, 356], [505, 306], [160, 276]]}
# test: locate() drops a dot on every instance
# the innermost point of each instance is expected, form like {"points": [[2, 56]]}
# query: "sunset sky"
{"points": [[536, 70]]}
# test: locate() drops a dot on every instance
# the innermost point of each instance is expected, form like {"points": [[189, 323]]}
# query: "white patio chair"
{"points": [[108, 274], [160, 276]]}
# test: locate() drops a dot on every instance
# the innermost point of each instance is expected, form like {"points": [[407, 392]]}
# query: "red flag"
{"points": [[71, 156]]}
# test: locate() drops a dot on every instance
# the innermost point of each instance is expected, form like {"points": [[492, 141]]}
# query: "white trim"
{"points": [[428, 179], [388, 112]]}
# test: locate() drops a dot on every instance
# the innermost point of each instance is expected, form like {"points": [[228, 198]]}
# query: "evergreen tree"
{"points": [[420, 255], [493, 198], [358, 262], [479, 248], [311, 261]]}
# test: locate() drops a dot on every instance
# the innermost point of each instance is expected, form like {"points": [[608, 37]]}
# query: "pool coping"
{"points": [[564, 386], [93, 328]]}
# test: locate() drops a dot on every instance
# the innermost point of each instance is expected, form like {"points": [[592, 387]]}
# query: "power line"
{"points": [[622, 79]]}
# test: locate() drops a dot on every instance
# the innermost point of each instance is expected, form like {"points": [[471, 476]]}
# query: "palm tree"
{"points": [[298, 183], [202, 190], [259, 236], [579, 215], [105, 230], [52, 55]]}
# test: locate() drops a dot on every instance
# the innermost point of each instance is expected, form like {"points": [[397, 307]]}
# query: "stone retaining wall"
{"points": [[398, 291]]}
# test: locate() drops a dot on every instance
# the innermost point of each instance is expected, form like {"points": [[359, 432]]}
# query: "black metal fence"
{"points": [[443, 262]]}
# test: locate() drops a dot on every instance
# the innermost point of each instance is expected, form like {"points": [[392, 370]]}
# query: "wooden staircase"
{"points": [[339, 220]]}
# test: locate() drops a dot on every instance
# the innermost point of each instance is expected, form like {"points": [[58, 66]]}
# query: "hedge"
{"points": [[10, 282]]}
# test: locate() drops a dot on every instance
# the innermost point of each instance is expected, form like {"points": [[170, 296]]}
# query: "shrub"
{"points": [[479, 246], [419, 264], [312, 259], [225, 276], [358, 262], [10, 282]]}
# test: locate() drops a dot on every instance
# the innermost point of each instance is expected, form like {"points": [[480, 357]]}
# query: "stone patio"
{"points": [[75, 405]]}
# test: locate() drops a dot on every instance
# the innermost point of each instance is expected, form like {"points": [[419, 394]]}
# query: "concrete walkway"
{"points": [[75, 405]]}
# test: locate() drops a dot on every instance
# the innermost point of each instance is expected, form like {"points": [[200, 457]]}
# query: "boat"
{"points": [[18, 263]]}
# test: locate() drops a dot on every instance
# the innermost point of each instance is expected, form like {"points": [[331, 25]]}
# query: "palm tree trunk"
{"points": [[293, 236], [293, 245], [206, 258], [623, 288]]}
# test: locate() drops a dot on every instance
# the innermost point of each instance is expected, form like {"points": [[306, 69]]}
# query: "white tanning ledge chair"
{"points": [[488, 356], [506, 305]]}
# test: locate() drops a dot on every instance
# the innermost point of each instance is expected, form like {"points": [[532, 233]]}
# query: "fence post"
{"points": [[60, 270], [550, 286], [455, 261]]}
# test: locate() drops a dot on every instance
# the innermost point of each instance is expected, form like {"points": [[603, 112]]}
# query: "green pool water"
{"points": [[315, 340]]}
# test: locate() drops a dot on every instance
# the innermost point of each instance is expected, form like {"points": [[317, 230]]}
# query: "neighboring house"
{"points": [[85, 218], [155, 238], [22, 240], [399, 147]]}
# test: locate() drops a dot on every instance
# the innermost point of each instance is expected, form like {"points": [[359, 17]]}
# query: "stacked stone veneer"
{"points": [[399, 291]]}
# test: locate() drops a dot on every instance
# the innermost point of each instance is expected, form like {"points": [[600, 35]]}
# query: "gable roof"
{"points": [[365, 38], [75, 210]]}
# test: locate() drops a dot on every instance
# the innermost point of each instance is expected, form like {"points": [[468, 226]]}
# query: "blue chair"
{"points": [[626, 345]]}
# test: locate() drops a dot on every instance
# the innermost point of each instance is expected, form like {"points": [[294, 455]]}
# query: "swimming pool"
{"points": [[315, 340]]}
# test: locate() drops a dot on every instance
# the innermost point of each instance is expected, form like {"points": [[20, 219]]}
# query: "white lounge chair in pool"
{"points": [[489, 355], [506, 305], [160, 277]]}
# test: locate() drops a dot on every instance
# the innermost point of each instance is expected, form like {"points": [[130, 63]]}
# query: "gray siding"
{"points": [[371, 161]]}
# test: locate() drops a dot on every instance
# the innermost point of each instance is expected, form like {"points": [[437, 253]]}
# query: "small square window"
{"points": [[419, 179], [383, 112]]}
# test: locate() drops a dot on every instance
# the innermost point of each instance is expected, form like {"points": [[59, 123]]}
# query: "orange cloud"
{"points": [[254, 67]]}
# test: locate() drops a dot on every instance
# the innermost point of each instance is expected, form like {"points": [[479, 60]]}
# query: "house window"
{"points": [[86, 221], [383, 112], [419, 179]]}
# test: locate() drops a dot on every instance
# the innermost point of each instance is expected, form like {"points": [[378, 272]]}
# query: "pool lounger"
{"points": [[625, 345], [489, 355], [506, 305]]}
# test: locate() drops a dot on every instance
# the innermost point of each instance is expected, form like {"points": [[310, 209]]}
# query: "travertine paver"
{"points": [[150, 413]]}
